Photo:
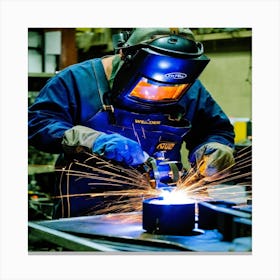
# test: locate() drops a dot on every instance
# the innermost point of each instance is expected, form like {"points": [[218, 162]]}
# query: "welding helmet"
{"points": [[159, 66]]}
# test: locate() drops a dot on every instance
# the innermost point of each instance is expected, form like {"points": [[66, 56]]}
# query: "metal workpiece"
{"points": [[164, 218]]}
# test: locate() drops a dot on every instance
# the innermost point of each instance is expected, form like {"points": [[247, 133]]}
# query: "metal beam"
{"points": [[65, 240]]}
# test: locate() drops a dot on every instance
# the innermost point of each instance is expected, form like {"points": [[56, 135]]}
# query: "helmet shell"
{"points": [[167, 60]]}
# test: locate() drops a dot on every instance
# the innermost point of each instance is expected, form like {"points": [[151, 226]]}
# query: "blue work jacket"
{"points": [[75, 97], [72, 97]]}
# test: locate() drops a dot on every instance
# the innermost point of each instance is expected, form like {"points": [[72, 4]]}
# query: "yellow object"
{"points": [[240, 129]]}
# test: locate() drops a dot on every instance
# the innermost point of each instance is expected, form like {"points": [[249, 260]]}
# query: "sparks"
{"points": [[189, 187]]}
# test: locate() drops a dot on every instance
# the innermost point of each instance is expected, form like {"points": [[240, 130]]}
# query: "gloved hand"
{"points": [[112, 146], [212, 158], [79, 138], [119, 148]]}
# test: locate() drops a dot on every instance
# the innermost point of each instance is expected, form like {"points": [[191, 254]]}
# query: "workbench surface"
{"points": [[124, 233]]}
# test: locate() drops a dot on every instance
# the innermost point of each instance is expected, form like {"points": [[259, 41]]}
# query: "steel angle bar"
{"points": [[65, 240]]}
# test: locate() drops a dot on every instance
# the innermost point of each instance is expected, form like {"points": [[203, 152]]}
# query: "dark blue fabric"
{"points": [[153, 132], [75, 97], [72, 97]]}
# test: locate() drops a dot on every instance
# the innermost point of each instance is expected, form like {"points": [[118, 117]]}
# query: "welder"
{"points": [[127, 107]]}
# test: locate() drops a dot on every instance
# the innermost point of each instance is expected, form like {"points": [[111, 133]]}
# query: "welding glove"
{"points": [[212, 158], [110, 146], [117, 147], [79, 138]]}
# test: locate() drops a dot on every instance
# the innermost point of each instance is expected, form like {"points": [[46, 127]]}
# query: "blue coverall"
{"points": [[75, 97]]}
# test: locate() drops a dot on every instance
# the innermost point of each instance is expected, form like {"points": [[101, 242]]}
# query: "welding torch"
{"points": [[161, 171]]}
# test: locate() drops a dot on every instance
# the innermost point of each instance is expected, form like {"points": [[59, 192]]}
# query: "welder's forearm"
{"points": [[45, 132], [216, 124], [47, 138], [79, 138], [225, 139], [219, 130]]}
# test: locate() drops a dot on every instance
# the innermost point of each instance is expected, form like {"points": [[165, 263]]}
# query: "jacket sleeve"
{"points": [[67, 100], [52, 113], [209, 122]]}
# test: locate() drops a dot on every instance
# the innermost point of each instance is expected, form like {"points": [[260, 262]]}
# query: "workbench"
{"points": [[124, 233]]}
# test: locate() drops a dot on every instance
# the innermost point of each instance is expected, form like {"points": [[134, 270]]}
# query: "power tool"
{"points": [[161, 171]]}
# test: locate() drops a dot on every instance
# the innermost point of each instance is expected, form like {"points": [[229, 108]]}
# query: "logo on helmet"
{"points": [[176, 75]]}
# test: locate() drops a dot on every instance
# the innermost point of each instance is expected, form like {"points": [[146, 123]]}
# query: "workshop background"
{"points": [[227, 77]]}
